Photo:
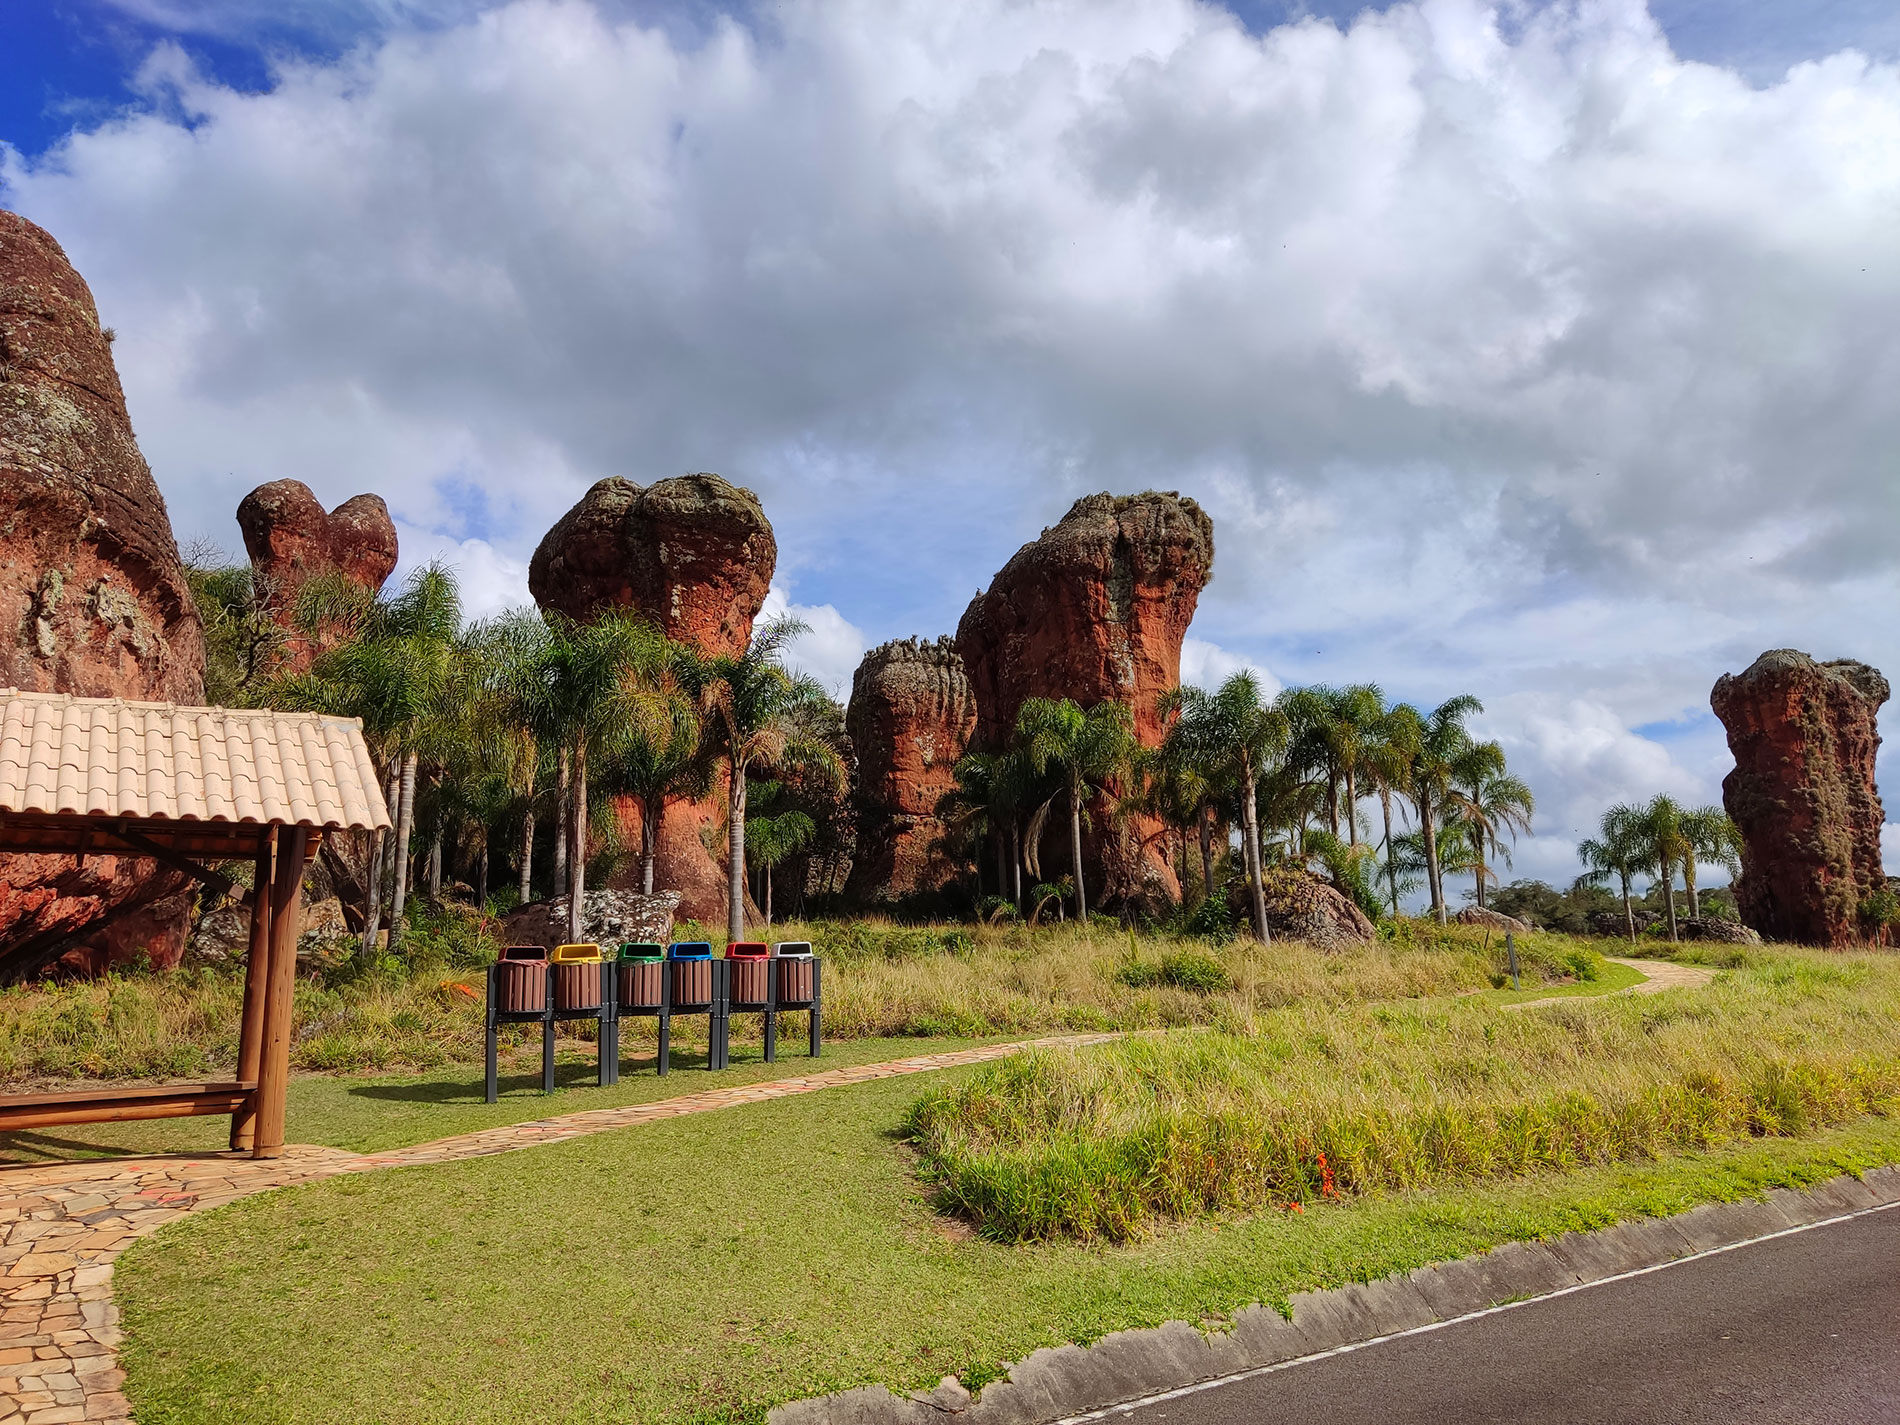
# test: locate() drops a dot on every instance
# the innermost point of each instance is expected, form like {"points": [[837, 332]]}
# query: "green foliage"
{"points": [[1212, 919]]}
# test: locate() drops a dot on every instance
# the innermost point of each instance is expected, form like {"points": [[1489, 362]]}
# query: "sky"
{"points": [[1543, 352]]}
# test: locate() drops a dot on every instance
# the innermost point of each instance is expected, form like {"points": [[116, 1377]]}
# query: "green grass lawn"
{"points": [[706, 1268], [367, 1115]]}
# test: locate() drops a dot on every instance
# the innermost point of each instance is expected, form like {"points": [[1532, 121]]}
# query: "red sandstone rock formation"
{"points": [[93, 596], [697, 554], [292, 540], [910, 719], [1802, 792], [1094, 609]]}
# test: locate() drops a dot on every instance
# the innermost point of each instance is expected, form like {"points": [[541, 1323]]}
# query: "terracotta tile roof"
{"points": [[109, 757]]}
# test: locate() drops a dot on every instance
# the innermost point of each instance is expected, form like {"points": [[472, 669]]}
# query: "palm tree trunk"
{"points": [[1688, 880], [1669, 896], [577, 843], [481, 889], [405, 823], [372, 917], [1352, 807], [735, 851], [1477, 854], [1431, 856], [561, 815], [1332, 804], [1207, 850], [768, 897], [1629, 911], [1250, 823], [1016, 861], [1002, 862], [435, 861], [647, 840], [527, 856], [1075, 853], [1391, 872]]}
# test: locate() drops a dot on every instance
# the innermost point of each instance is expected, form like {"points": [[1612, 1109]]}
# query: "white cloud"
{"points": [[491, 582], [831, 648], [1513, 356], [1208, 665]]}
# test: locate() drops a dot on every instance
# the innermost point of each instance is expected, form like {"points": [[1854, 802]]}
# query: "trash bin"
{"points": [[749, 964], [642, 969], [692, 976], [522, 980], [795, 974], [576, 979]]}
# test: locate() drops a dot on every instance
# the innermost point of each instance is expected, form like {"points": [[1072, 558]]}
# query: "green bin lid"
{"points": [[642, 950]]}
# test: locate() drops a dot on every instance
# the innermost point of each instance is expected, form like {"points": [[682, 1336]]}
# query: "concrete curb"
{"points": [[1067, 1382]]}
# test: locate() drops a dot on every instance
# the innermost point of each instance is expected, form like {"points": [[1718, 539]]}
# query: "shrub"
{"points": [[1193, 970]]}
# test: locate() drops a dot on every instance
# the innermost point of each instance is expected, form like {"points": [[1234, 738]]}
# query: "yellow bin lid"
{"points": [[576, 955]]}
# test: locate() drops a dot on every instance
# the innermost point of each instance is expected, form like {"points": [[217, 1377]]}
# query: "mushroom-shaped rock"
{"points": [[292, 539], [93, 594], [695, 554], [910, 719], [1804, 735], [1094, 609]]}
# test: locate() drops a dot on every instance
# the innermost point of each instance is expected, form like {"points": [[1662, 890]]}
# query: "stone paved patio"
{"points": [[63, 1225]]}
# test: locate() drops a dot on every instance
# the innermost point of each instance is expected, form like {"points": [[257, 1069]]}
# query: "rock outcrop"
{"points": [[1727, 932], [910, 719], [1803, 794], [696, 554], [1491, 920], [608, 918], [1304, 907], [93, 594], [1094, 609], [292, 539]]}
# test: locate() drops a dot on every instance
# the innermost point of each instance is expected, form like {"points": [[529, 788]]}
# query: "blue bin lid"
{"points": [[689, 950]]}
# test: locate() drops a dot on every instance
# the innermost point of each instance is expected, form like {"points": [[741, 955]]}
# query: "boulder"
{"points": [[695, 554], [909, 720], [1706, 927], [93, 595], [1304, 907], [1094, 609], [1802, 792], [292, 539], [1615, 923], [608, 918], [1491, 919]]}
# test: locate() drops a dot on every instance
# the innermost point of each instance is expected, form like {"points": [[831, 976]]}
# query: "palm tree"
{"points": [[1445, 757], [394, 670], [749, 701], [1494, 805], [1242, 738], [590, 689], [1088, 750], [772, 839], [1617, 850], [993, 790], [657, 771], [1666, 842], [1391, 749], [1708, 833]]}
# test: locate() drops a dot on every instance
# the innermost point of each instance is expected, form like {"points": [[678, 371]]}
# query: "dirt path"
{"points": [[63, 1225], [1661, 975]]}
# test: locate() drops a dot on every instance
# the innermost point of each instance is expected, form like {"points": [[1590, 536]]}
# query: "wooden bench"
{"points": [[114, 1105]]}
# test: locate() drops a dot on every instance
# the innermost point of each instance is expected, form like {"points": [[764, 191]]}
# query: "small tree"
{"points": [[1088, 750], [1708, 833], [1617, 850]]}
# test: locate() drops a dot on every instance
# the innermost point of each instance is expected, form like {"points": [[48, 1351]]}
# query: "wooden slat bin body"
{"points": [[749, 987], [583, 981], [640, 984], [696, 983], [518, 993], [798, 983]]}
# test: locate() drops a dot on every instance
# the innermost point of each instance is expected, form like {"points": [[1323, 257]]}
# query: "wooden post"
{"points": [[273, 1080], [251, 1031]]}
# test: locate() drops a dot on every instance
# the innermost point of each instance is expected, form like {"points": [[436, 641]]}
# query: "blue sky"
{"points": [[1544, 352]]}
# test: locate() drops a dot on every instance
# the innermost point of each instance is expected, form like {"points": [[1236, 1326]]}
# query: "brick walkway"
{"points": [[62, 1225]]}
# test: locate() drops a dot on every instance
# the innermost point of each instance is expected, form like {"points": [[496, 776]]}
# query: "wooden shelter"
{"points": [[185, 787]]}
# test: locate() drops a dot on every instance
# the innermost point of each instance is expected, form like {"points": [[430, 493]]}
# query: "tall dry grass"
{"points": [[1108, 1141], [881, 979]]}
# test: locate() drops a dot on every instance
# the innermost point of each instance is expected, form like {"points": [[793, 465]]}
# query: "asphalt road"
{"points": [[1796, 1330]]}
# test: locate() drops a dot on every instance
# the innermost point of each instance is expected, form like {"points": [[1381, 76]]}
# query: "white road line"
{"points": [[1127, 1406]]}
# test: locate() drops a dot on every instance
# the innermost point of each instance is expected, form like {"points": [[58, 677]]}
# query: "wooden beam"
{"points": [[144, 845], [120, 1105], [286, 922], [256, 977]]}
